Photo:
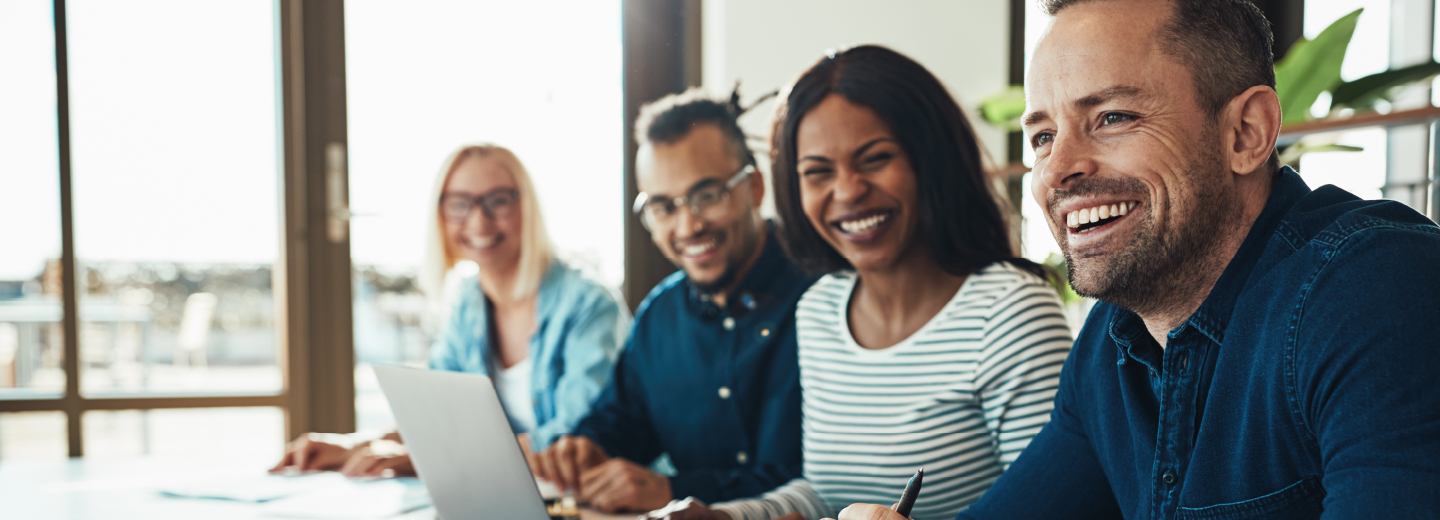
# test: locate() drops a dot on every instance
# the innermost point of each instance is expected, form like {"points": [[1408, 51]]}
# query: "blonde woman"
{"points": [[545, 334]]}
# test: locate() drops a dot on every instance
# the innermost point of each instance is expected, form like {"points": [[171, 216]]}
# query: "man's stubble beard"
{"points": [[743, 248], [1157, 274]]}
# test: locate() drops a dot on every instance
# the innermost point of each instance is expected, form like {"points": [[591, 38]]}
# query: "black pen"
{"points": [[912, 491]]}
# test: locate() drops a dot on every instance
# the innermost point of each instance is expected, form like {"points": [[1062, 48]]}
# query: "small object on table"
{"points": [[563, 508]]}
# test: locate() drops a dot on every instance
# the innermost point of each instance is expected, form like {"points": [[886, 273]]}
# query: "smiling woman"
{"points": [[927, 343], [959, 216], [547, 335]]}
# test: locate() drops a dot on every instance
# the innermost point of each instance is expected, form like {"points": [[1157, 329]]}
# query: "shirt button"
{"points": [[729, 323], [741, 457], [724, 392], [1169, 477]]}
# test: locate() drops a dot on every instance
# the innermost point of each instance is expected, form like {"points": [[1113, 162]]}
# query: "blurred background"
{"points": [[212, 213]]}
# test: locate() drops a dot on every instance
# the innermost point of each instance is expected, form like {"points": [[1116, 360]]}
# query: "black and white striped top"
{"points": [[961, 397]]}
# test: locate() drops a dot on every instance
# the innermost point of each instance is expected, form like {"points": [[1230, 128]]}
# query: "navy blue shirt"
{"points": [[1304, 386], [718, 389]]}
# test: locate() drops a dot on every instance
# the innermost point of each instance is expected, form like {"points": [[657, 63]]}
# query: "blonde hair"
{"points": [[535, 248]]}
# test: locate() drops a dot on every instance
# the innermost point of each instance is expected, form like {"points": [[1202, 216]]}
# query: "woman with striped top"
{"points": [[928, 344]]}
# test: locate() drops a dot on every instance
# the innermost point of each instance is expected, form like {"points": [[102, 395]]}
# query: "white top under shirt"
{"points": [[513, 386], [961, 397]]}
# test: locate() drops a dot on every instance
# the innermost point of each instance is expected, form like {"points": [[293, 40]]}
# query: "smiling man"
{"points": [[710, 373], [1262, 350]]}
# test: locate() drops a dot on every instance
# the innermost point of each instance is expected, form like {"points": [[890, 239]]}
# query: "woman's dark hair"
{"points": [[959, 218]]}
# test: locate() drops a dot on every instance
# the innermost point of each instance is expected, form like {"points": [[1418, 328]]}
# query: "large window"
{"points": [[541, 78], [178, 216], [31, 345], [142, 237], [175, 193]]}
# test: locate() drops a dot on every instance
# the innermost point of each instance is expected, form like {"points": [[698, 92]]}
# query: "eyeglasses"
{"points": [[705, 200], [498, 204]]}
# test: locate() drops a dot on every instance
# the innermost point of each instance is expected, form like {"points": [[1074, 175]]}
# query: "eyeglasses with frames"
{"points": [[496, 204], [706, 200]]}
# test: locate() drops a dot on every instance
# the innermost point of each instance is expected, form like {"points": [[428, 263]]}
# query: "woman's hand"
{"points": [[379, 459], [316, 452], [869, 512]]}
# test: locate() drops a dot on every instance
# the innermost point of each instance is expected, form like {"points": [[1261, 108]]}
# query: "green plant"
{"points": [[1312, 67], [1005, 108], [1363, 94]]}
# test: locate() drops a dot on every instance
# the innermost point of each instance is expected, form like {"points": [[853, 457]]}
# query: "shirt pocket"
{"points": [[1303, 499]]}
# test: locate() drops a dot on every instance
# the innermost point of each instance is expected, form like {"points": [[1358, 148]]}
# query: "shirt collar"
{"points": [[545, 295], [1213, 315]]}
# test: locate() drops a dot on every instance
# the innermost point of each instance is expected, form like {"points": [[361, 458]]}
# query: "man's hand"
{"points": [[565, 460], [869, 512], [379, 459], [315, 452], [687, 509], [621, 485]]}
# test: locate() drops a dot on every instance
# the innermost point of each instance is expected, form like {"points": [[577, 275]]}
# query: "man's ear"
{"points": [[1251, 125]]}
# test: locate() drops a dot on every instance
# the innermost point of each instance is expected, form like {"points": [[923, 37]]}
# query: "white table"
{"points": [[78, 489]]}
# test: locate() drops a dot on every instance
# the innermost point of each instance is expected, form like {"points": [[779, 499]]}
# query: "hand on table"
{"points": [[621, 485], [380, 458], [315, 452], [565, 460], [869, 512]]}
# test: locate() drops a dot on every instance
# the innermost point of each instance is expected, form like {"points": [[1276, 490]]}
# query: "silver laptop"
{"points": [[461, 444]]}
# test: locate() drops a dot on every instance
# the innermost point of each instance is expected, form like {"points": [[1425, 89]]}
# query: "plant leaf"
{"points": [[1362, 93], [1312, 67], [1291, 155], [1005, 109]]}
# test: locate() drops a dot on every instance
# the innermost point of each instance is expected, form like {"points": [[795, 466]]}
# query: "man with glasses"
{"points": [[709, 375]]}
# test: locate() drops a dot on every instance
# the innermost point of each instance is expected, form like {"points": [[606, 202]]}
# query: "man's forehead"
{"points": [[672, 168], [1095, 46]]}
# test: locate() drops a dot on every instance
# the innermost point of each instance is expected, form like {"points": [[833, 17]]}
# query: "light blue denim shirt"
{"points": [[580, 326]]}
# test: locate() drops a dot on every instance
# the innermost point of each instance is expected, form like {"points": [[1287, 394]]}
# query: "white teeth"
{"points": [[1095, 214], [698, 249], [863, 225], [480, 242]]}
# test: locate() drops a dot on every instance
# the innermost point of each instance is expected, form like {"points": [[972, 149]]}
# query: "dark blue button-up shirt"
{"points": [[716, 388], [1305, 385]]}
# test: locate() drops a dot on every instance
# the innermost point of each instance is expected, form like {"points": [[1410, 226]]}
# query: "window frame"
{"points": [[313, 269]]}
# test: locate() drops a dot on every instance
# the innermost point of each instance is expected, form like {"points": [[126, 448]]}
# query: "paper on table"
{"points": [[353, 500], [252, 488], [547, 490]]}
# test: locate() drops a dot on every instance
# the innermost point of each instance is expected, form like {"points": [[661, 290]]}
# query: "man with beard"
{"points": [[1262, 350], [709, 375]]}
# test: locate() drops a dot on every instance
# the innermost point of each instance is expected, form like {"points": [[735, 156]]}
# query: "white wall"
{"points": [[767, 43]]}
